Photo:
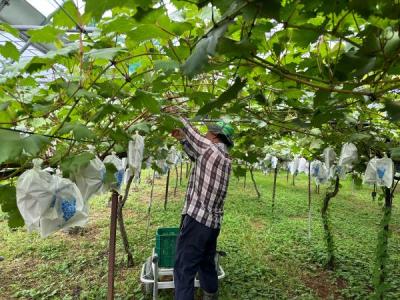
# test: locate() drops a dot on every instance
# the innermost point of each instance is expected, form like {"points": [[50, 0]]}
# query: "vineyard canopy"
{"points": [[297, 75]]}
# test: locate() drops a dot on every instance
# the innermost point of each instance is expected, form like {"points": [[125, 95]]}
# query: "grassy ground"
{"points": [[269, 255]]}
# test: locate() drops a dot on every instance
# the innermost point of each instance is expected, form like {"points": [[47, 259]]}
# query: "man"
{"points": [[203, 209]]}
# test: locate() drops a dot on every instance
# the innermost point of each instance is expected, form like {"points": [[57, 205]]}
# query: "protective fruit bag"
{"points": [[67, 208], [48, 202], [329, 156], [135, 154], [348, 155], [380, 171], [117, 162], [89, 178]]}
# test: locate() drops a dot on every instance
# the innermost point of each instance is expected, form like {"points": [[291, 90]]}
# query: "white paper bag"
{"points": [[117, 162], [348, 155], [294, 166], [315, 167], [89, 179], [329, 157], [274, 162], [302, 165], [67, 208], [49, 203], [323, 174], [380, 172], [173, 156], [34, 194], [135, 154]]}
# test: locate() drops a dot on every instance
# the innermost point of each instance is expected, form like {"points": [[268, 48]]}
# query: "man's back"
{"points": [[208, 184]]}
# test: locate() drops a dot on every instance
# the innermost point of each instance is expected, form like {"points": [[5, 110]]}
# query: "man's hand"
{"points": [[178, 134]]}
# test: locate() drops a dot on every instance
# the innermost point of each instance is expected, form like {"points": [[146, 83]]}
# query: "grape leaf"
{"points": [[46, 34], [226, 96], [72, 164], [8, 50], [8, 204]]}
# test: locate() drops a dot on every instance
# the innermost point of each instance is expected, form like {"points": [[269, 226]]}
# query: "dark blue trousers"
{"points": [[196, 246]]}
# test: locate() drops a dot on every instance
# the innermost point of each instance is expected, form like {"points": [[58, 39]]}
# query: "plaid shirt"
{"points": [[209, 178]]}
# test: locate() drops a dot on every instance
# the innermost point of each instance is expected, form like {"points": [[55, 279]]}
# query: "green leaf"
{"points": [[226, 96], [8, 28], [167, 66], [260, 98], [46, 34], [120, 135], [105, 110], [109, 177], [148, 32], [349, 62], [67, 51], [37, 64], [8, 50], [8, 204], [141, 127], [107, 89], [395, 154], [4, 105], [267, 9], [34, 143], [197, 60], [13, 145], [80, 131], [357, 137], [61, 17], [239, 171], [178, 28], [371, 44], [206, 46], [233, 48], [321, 98], [200, 98], [169, 123], [96, 8], [303, 38], [145, 100], [105, 53], [121, 24], [10, 145], [72, 164], [393, 109]]}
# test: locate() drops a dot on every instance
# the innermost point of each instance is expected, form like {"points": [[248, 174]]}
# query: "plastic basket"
{"points": [[165, 246]]}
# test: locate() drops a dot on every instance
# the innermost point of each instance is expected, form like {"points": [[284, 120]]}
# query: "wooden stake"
{"points": [[274, 188], [166, 190], [111, 247], [309, 201]]}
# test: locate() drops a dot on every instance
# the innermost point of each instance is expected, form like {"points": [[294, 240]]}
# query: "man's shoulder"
{"points": [[219, 151]]}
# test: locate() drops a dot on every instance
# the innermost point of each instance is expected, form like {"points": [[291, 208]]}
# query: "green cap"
{"points": [[223, 128]]}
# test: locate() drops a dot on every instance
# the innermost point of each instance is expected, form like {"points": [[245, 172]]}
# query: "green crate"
{"points": [[165, 246]]}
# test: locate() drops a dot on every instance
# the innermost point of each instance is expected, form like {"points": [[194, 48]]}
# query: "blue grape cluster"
{"points": [[68, 207], [119, 176], [381, 172], [103, 174]]}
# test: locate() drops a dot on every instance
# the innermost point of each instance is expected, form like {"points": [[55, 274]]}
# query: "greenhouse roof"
{"points": [[24, 15]]}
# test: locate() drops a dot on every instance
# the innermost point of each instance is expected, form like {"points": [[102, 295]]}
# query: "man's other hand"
{"points": [[178, 134]]}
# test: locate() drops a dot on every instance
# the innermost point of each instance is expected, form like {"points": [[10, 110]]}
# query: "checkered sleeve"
{"points": [[195, 140], [189, 150]]}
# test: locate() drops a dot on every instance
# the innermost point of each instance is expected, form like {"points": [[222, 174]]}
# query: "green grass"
{"points": [[269, 255]]}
